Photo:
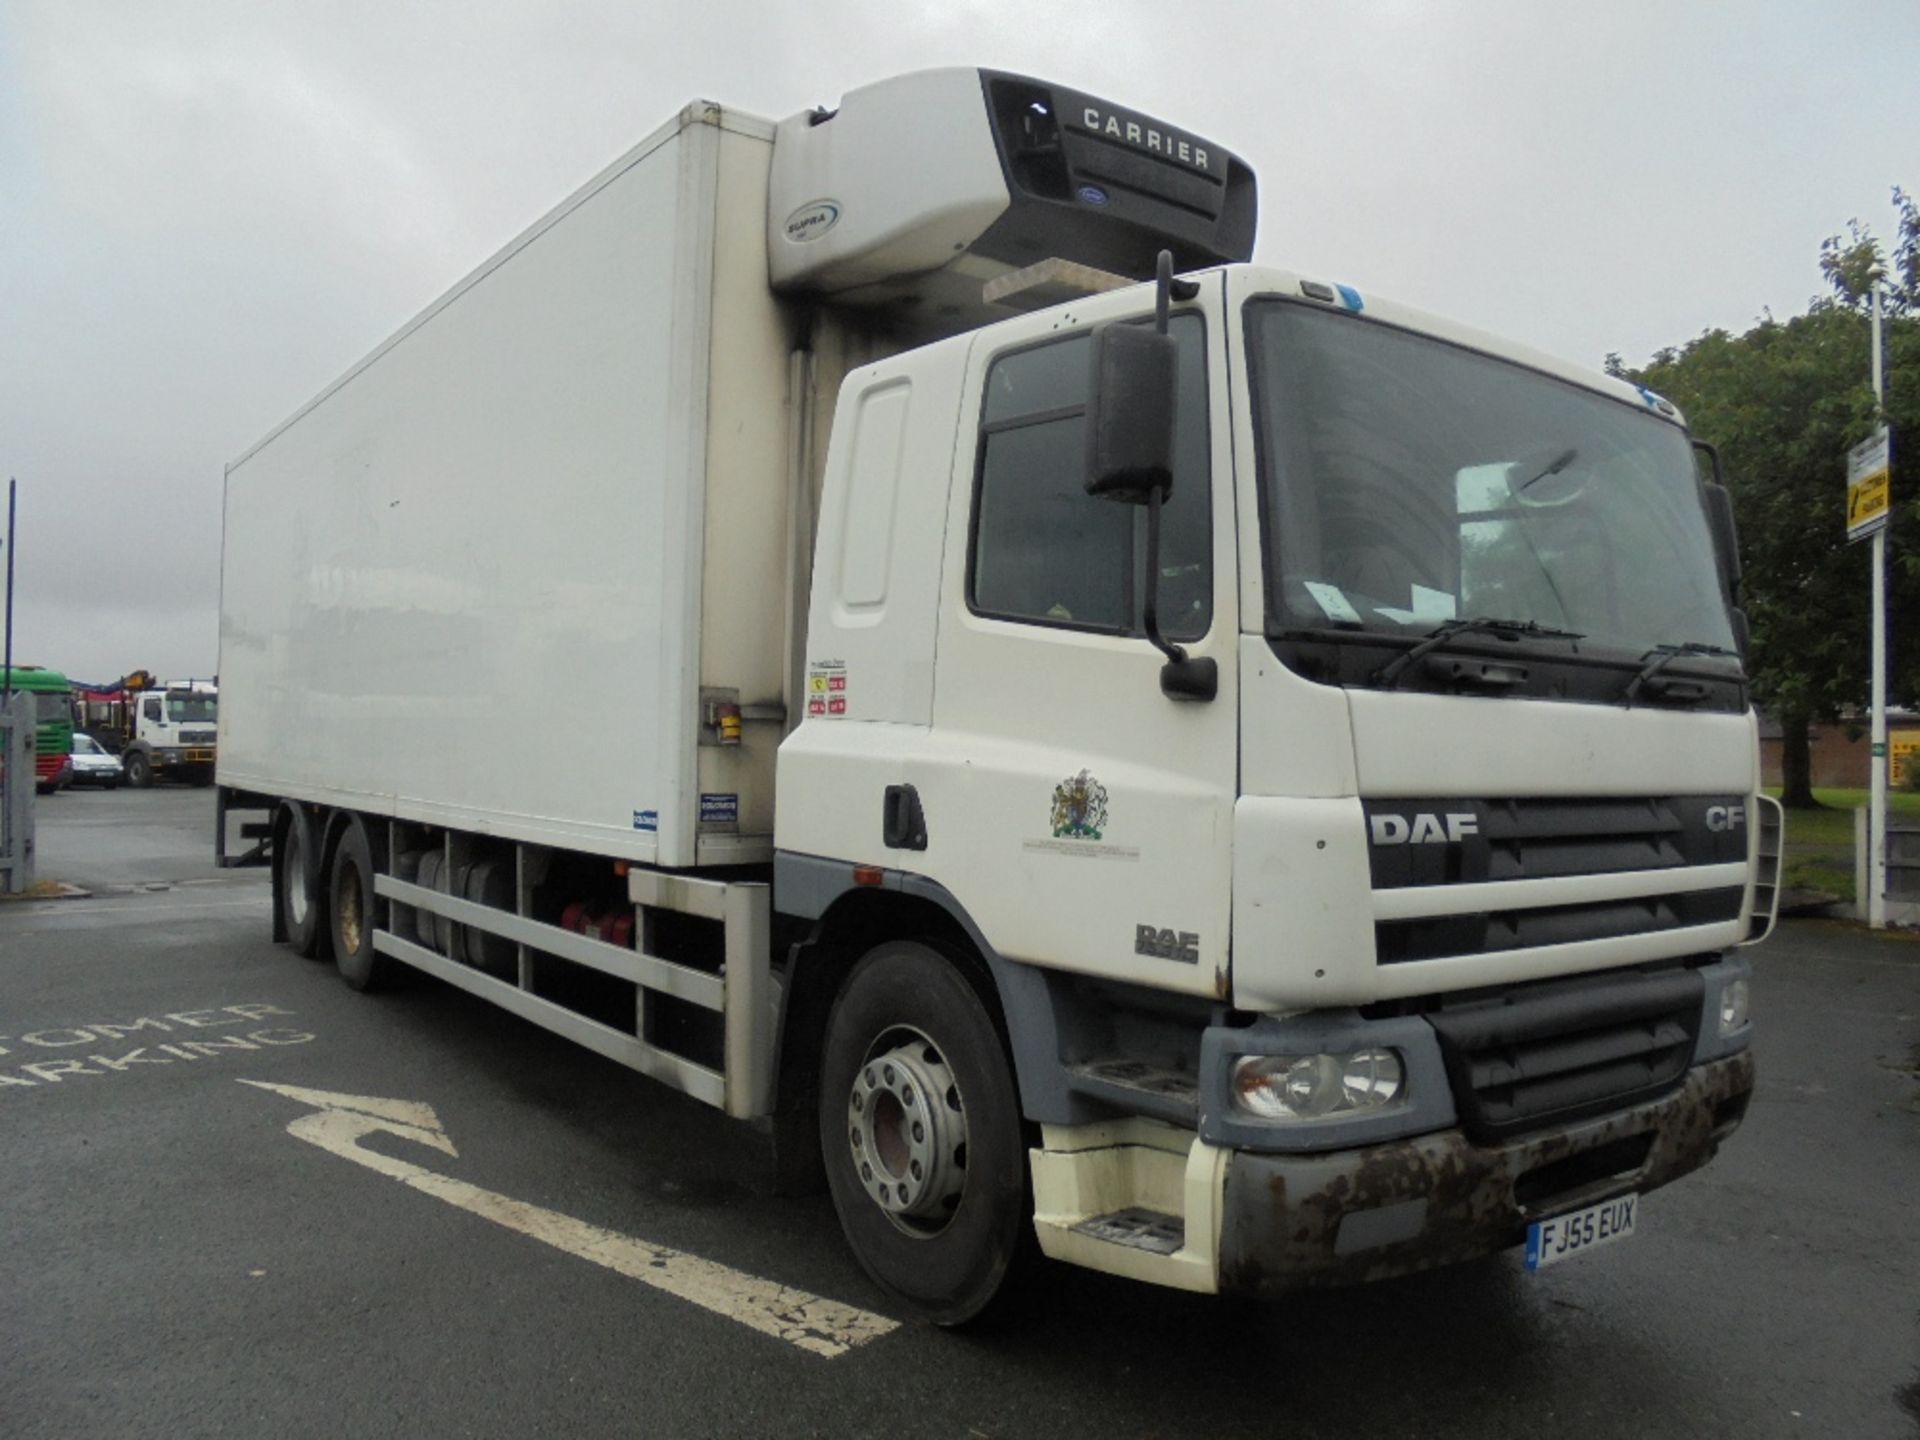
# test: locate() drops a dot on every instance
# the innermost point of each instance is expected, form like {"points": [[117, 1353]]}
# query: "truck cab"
{"points": [[53, 724], [170, 731], [1421, 921]]}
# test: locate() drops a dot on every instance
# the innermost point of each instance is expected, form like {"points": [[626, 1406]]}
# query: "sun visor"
{"points": [[918, 191]]}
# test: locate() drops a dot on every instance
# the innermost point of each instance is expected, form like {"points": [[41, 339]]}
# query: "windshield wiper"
{"points": [[1661, 656], [1552, 467], [1388, 674]]}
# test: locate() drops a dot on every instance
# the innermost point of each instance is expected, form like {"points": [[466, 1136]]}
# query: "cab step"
{"points": [[1139, 1087], [1137, 1228], [1134, 1197]]}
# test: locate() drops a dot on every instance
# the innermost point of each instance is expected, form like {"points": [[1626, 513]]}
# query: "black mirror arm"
{"points": [[1167, 289], [1182, 677]]}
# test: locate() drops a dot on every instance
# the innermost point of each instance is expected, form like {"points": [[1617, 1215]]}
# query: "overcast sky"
{"points": [[209, 210]]}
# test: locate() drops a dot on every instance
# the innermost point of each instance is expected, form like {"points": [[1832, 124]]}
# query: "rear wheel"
{"points": [[298, 881], [352, 908], [920, 1131], [139, 770]]}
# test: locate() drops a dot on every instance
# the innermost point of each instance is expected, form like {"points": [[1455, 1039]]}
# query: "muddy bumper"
{"points": [[1297, 1221]]}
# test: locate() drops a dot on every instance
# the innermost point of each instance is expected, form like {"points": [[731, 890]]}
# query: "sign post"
{"points": [[1869, 507]]}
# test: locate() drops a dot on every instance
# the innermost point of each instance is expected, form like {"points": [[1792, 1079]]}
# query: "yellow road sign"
{"points": [[1903, 757], [1869, 488]]}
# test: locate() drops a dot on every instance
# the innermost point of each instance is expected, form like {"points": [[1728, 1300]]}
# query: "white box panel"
{"points": [[464, 586]]}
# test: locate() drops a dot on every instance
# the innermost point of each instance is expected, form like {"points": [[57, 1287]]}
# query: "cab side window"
{"points": [[151, 708], [1045, 551]]}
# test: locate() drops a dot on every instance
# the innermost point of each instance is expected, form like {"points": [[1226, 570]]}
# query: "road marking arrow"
{"points": [[822, 1327]]}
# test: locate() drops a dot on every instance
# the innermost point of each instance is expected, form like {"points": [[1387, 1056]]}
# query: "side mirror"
{"points": [[1130, 409], [1131, 399], [1719, 505], [1726, 538]]}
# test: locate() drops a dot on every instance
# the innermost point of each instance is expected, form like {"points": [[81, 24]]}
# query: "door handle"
{"points": [[903, 824]]}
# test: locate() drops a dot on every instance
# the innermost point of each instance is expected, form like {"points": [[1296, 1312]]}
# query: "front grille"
{"points": [[1562, 1050], [1412, 840], [1489, 931], [197, 737]]}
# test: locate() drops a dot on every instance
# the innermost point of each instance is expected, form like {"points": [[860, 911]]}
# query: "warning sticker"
{"points": [[826, 688]]}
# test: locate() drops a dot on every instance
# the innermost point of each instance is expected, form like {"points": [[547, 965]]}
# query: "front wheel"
{"points": [[920, 1131], [139, 771]]}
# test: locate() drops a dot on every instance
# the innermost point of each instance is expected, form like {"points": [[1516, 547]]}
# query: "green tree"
{"points": [[1784, 402]]}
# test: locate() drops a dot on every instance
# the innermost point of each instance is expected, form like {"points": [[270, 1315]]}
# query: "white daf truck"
{"points": [[1236, 779]]}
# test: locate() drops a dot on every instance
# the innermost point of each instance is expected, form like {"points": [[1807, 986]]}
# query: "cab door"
{"points": [[1081, 816]]}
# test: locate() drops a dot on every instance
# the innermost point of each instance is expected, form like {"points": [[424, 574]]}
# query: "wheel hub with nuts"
{"points": [[907, 1128]]}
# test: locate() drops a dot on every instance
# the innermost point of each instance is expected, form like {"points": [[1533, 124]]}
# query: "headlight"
{"points": [[1733, 1007], [1315, 1087]]}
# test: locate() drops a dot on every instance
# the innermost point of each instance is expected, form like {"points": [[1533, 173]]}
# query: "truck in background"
{"points": [[53, 711], [157, 728], [1239, 780]]}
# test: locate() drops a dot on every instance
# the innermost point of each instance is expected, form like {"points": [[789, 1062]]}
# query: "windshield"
{"points": [[1407, 482], [192, 707], [51, 705]]}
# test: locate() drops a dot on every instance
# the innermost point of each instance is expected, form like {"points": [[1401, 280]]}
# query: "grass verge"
{"points": [[1820, 842]]}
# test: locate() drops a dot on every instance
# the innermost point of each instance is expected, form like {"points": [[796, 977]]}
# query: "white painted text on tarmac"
{"points": [[100, 1048]]}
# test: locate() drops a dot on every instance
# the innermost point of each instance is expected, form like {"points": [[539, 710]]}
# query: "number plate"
{"points": [[1551, 1241]]}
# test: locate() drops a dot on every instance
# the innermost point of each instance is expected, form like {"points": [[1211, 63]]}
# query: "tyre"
{"points": [[353, 908], [921, 1134], [302, 906], [139, 770]]}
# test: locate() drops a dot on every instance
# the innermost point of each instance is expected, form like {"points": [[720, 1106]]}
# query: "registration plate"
{"points": [[1551, 1241]]}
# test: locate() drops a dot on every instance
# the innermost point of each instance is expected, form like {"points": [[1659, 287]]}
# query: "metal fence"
{"points": [[18, 730], [1903, 868], [1903, 861]]}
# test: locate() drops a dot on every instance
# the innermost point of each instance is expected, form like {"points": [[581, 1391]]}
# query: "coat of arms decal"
{"points": [[1079, 808]]}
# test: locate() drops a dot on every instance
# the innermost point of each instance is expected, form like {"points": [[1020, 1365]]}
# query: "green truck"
{"points": [[53, 708]]}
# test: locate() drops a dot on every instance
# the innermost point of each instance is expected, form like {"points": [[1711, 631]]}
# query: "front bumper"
{"points": [[1291, 1222], [196, 755]]}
